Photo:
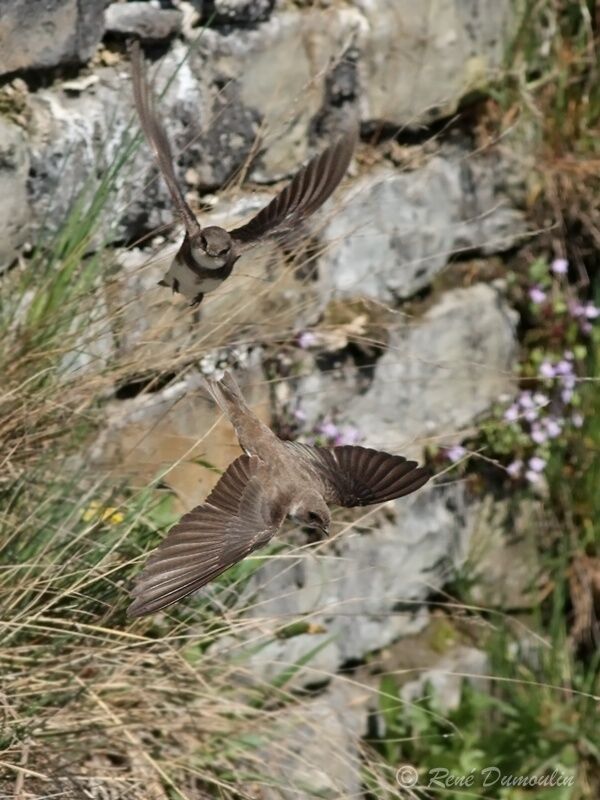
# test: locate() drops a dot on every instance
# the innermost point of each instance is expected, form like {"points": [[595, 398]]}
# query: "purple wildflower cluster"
{"points": [[540, 294], [535, 420], [337, 434], [328, 432], [543, 415]]}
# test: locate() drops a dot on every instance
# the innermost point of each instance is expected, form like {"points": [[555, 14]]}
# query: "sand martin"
{"points": [[272, 480], [207, 255]]}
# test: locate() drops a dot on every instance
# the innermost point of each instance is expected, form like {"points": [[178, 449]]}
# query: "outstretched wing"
{"points": [[359, 476], [157, 136], [302, 196], [235, 519]]}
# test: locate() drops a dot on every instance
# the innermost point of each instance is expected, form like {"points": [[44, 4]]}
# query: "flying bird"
{"points": [[207, 255], [272, 480]]}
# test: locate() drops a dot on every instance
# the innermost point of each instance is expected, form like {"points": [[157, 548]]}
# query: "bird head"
{"points": [[214, 242], [311, 511]]}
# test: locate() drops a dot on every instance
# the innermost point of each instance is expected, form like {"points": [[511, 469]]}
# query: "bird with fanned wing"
{"points": [[207, 255], [272, 480]]}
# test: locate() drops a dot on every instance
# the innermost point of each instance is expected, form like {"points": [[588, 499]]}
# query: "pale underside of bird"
{"points": [[207, 255], [272, 480]]}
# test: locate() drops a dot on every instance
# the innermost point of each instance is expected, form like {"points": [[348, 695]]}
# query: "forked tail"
{"points": [[228, 396], [251, 432]]}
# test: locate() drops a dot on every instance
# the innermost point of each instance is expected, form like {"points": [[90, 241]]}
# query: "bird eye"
{"points": [[314, 517]]}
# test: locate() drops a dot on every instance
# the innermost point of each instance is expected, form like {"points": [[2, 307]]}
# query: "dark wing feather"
{"points": [[157, 137], [359, 476], [235, 519], [303, 195]]}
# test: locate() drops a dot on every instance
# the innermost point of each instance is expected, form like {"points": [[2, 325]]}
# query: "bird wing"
{"points": [[358, 476], [236, 518], [307, 190], [157, 136]]}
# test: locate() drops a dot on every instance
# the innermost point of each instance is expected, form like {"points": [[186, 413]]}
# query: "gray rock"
{"points": [[392, 233], [420, 59], [238, 11], [142, 19], [440, 372], [304, 46], [53, 32], [314, 749], [360, 592], [444, 680], [14, 208], [77, 137]]}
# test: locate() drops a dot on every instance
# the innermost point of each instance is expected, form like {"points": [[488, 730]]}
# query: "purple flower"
{"points": [[577, 420], [538, 435], [511, 414], [531, 414], [553, 427], [306, 339], [569, 355], [568, 381], [537, 464], [526, 400], [559, 266], [564, 367], [537, 295], [540, 399], [515, 469], [328, 429], [576, 309], [347, 435], [532, 477], [456, 452], [591, 311], [566, 395], [546, 370], [300, 415]]}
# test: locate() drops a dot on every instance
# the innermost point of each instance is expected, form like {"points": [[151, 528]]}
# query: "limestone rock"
{"points": [[437, 375], [444, 679], [392, 233], [42, 35], [420, 59], [14, 208], [277, 71], [323, 733], [238, 11], [175, 433], [440, 372], [143, 20], [78, 136]]}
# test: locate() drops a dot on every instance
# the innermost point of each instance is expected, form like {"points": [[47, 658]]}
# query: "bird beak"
{"points": [[323, 531]]}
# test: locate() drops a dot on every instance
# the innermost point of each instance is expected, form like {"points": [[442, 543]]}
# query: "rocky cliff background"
{"points": [[442, 305]]}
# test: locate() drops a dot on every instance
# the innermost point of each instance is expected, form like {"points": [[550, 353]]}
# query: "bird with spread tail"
{"points": [[272, 480], [207, 255]]}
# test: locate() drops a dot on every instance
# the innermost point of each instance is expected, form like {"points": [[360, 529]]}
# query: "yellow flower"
{"points": [[96, 512]]}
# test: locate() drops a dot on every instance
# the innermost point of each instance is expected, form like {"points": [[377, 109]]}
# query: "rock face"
{"points": [[14, 208], [439, 372], [44, 34], [305, 46], [394, 232], [143, 20], [420, 59]]}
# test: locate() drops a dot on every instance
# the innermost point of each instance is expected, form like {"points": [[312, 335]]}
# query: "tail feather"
{"points": [[227, 395]]}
